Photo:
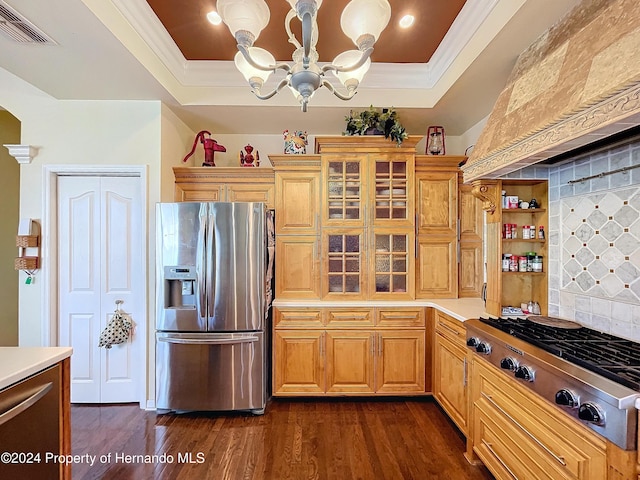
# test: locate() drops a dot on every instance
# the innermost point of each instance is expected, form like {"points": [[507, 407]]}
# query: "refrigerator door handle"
{"points": [[211, 266], [201, 271], [208, 341]]}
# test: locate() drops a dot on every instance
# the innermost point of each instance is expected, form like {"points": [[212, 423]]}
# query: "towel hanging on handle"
{"points": [[118, 330]]}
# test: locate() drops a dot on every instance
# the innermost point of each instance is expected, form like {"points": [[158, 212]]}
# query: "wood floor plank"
{"points": [[297, 439]]}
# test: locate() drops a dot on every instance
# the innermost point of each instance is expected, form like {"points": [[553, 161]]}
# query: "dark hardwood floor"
{"points": [[295, 439]]}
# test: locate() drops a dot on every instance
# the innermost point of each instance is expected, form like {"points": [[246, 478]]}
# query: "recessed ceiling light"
{"points": [[214, 18], [406, 21]]}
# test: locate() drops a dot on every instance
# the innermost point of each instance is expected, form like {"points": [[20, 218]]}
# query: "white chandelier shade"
{"points": [[262, 57], [361, 20], [244, 15]]}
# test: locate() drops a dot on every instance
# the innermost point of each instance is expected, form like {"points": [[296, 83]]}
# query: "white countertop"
{"points": [[17, 363], [459, 308]]}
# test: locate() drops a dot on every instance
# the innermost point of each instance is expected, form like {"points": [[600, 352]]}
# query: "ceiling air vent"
{"points": [[19, 29]]}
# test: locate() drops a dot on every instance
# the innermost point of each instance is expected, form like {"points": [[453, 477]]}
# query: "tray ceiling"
{"points": [[198, 39]]}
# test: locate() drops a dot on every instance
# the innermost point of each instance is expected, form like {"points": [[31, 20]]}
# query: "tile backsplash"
{"points": [[594, 239]]}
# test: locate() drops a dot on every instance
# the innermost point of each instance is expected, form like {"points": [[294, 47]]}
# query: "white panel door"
{"points": [[100, 239]]}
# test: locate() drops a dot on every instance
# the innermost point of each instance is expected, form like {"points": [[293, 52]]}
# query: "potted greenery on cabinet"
{"points": [[374, 122]]}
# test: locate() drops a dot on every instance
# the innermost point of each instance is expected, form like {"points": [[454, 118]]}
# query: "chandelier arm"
{"points": [[287, 25], [307, 30], [253, 63], [341, 96], [283, 83], [336, 68]]}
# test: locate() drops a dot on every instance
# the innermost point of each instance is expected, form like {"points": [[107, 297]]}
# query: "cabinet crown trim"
{"points": [[239, 174]]}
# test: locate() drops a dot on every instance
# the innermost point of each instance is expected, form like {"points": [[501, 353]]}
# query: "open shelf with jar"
{"points": [[518, 248]]}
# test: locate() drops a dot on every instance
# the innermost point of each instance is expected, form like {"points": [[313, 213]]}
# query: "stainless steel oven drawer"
{"points": [[30, 426]]}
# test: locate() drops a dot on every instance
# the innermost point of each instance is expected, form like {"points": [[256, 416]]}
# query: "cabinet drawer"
{"points": [[297, 318], [506, 453], [450, 328], [400, 317], [571, 447], [350, 317]]}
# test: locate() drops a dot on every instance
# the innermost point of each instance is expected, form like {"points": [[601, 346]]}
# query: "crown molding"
{"points": [[462, 30], [22, 153], [195, 74]]}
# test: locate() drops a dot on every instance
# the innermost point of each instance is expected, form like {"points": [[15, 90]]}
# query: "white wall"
{"points": [[124, 133], [81, 133], [469, 138]]}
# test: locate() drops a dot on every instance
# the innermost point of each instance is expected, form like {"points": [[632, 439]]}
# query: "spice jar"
{"points": [[522, 263], [535, 309], [536, 264], [541, 232], [506, 261]]}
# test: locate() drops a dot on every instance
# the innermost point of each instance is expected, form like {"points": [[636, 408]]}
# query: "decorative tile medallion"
{"points": [[600, 239]]}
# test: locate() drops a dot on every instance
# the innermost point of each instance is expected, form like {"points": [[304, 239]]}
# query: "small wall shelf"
{"points": [[23, 261]]}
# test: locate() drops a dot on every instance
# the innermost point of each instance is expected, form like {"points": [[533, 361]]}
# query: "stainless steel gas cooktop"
{"points": [[612, 357], [591, 375]]}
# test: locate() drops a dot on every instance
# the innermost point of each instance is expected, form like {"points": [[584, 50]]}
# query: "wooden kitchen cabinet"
{"points": [[297, 267], [359, 351], [344, 263], [470, 242], [224, 184], [297, 200], [450, 372], [517, 434], [400, 362], [299, 362], [367, 225], [350, 361], [436, 180], [297, 223]]}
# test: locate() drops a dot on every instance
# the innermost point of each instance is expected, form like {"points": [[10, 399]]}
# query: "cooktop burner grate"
{"points": [[615, 358]]}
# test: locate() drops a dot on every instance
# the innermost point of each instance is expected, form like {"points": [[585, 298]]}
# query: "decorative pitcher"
{"points": [[295, 142]]}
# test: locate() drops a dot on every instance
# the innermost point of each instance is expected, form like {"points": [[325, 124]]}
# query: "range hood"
{"points": [[577, 84]]}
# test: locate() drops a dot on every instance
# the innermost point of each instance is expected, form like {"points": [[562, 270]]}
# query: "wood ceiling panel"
{"points": [[197, 39]]}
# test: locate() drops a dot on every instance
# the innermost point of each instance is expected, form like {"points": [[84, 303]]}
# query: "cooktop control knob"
{"points": [[525, 373], [483, 348], [473, 341], [591, 412], [508, 363], [566, 398]]}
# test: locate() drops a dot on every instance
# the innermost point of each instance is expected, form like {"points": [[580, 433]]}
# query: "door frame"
{"points": [[49, 321]]}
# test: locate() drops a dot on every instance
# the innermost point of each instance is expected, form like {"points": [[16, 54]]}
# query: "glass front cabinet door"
{"points": [[368, 226]]}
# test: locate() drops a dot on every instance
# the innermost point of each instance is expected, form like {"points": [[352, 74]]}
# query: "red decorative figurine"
{"points": [[210, 148], [247, 160]]}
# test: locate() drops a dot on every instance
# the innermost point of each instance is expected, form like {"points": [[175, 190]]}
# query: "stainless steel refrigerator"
{"points": [[213, 265]]}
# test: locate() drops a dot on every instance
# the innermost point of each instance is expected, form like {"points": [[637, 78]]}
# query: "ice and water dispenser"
{"points": [[180, 287]]}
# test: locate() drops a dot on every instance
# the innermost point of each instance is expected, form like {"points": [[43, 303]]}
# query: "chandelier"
{"points": [[361, 20]]}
